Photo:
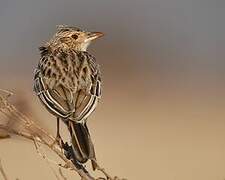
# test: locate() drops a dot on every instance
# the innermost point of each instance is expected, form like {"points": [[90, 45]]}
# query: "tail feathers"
{"points": [[82, 145]]}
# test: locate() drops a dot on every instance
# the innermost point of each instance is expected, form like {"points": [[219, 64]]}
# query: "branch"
{"points": [[21, 125]]}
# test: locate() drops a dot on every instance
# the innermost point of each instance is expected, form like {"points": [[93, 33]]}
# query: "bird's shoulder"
{"points": [[72, 69], [89, 75], [58, 67], [67, 60]]}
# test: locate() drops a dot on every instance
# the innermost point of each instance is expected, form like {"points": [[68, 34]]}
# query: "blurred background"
{"points": [[162, 114]]}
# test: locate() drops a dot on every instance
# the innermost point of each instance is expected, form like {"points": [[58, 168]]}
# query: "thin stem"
{"points": [[2, 171]]}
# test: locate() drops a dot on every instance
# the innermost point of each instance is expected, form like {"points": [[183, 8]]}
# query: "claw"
{"points": [[58, 140]]}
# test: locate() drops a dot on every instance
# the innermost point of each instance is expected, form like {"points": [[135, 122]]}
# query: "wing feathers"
{"points": [[63, 92]]}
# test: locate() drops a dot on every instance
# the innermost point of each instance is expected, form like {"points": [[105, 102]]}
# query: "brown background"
{"points": [[162, 112]]}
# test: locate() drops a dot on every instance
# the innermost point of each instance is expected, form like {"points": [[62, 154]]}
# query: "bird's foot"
{"points": [[68, 152], [58, 141]]}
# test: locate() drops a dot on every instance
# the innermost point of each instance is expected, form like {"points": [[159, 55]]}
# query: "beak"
{"points": [[94, 35]]}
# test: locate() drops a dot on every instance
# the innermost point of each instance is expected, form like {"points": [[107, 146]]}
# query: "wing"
{"points": [[56, 99], [68, 83], [90, 81]]}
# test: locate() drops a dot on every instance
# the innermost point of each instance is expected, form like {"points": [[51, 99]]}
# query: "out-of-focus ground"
{"points": [[162, 111]]}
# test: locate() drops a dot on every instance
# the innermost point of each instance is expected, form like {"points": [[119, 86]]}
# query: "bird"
{"points": [[67, 80]]}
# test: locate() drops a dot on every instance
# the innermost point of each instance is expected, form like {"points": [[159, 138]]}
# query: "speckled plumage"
{"points": [[68, 83], [76, 72]]}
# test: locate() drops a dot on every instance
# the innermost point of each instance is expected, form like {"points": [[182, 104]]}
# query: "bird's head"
{"points": [[73, 37]]}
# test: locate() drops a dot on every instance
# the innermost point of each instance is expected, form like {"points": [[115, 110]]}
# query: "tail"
{"points": [[83, 148]]}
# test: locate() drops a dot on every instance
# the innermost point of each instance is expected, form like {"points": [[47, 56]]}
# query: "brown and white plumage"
{"points": [[68, 83]]}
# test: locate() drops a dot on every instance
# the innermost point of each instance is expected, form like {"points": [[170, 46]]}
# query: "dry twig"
{"points": [[28, 129], [2, 171], [61, 174]]}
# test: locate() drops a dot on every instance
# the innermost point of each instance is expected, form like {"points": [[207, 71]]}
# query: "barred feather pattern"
{"points": [[68, 83]]}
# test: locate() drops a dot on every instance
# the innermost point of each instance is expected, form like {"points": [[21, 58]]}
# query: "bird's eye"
{"points": [[74, 36]]}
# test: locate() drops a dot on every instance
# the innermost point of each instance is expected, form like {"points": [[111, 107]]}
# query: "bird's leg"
{"points": [[58, 139]]}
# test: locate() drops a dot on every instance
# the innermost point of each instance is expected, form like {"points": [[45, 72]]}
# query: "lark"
{"points": [[68, 83]]}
